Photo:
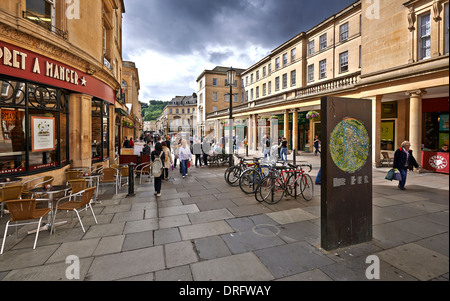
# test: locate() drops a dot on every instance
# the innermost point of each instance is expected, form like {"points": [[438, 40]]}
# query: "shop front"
{"points": [[51, 115]]}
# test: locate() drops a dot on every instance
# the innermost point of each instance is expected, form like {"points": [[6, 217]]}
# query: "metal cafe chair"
{"points": [[141, 170], [123, 175], [110, 176], [34, 183], [76, 206], [24, 210], [8, 193]]}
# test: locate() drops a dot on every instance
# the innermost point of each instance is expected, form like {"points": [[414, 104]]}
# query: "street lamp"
{"points": [[231, 76]]}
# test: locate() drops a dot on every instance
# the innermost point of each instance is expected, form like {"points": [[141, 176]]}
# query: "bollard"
{"points": [[294, 162], [131, 179], [246, 150]]}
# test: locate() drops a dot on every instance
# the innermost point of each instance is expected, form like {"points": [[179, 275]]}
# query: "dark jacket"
{"points": [[400, 159], [157, 153]]}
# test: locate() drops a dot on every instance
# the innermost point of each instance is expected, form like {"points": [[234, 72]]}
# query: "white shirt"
{"points": [[184, 153]]}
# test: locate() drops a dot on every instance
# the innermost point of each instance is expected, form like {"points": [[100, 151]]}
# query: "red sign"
{"points": [[24, 64], [434, 161]]}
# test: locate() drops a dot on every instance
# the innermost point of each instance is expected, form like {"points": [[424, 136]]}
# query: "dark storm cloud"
{"points": [[187, 26]]}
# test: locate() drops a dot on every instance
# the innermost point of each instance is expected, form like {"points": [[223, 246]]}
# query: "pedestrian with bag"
{"points": [[197, 150], [157, 166], [168, 161], [185, 156], [404, 160]]}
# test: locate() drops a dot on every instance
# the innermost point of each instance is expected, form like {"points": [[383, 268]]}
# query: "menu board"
{"points": [[42, 134]]}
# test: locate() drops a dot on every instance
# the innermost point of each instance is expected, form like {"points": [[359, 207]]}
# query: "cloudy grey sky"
{"points": [[173, 41]]}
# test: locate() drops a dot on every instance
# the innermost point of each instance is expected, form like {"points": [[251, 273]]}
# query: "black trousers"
{"points": [[198, 159], [158, 182], [165, 174], [205, 159]]}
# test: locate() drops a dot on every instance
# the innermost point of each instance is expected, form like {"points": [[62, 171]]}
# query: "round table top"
{"points": [[53, 189]]}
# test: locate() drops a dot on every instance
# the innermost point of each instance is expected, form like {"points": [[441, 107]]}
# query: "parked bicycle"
{"points": [[233, 173], [251, 177], [291, 180]]}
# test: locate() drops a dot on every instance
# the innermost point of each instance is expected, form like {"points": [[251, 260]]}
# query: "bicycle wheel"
{"points": [[307, 187], [227, 173], [291, 183], [249, 180], [276, 190], [234, 175], [263, 189]]}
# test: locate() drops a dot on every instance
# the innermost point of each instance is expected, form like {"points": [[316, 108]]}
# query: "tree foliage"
{"points": [[154, 110]]}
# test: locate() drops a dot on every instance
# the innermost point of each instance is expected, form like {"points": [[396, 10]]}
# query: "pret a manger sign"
{"points": [[24, 64]]}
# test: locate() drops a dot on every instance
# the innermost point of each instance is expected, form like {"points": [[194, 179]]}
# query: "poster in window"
{"points": [[443, 123], [43, 134]]}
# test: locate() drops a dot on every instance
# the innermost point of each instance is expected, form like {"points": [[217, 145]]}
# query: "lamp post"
{"points": [[231, 76]]}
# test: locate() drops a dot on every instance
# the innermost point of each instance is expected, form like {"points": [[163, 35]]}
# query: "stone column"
{"points": [[295, 129], [376, 130], [80, 129], [255, 132], [415, 121], [249, 131]]}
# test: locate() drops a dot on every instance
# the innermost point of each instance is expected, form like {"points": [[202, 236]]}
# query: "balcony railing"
{"points": [[45, 24], [330, 86]]}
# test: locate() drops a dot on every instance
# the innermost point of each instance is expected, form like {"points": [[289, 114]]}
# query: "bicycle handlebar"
{"points": [[301, 165]]}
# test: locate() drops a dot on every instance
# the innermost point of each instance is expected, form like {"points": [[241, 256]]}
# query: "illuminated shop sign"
{"points": [[24, 64]]}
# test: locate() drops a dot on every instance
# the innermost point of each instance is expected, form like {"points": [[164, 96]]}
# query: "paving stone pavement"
{"points": [[202, 229]]}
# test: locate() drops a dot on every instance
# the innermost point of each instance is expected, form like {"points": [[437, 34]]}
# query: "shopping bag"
{"points": [[189, 164], [390, 174], [171, 168], [397, 176]]}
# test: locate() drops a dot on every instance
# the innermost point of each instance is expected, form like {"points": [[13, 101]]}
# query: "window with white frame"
{"points": [[285, 81], [257, 92], [227, 97], [323, 41], [293, 78], [235, 98], [277, 83], [257, 75], [424, 37], [323, 69], [293, 54], [285, 59], [214, 98], [269, 86], [269, 67], [446, 29], [311, 47], [42, 9], [264, 92], [251, 78], [311, 73], [264, 71], [343, 32], [277, 63], [214, 109], [251, 94], [343, 62], [215, 82], [246, 80]]}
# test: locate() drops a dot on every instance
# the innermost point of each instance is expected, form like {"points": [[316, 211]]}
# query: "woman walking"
{"points": [[185, 156], [157, 155], [404, 160], [283, 147], [168, 161]]}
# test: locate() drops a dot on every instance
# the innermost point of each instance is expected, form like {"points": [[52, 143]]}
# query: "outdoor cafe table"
{"points": [[51, 192], [93, 177], [4, 182]]}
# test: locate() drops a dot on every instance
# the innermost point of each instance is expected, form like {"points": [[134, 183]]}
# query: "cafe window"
{"points": [[34, 127], [100, 130]]}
